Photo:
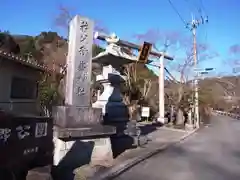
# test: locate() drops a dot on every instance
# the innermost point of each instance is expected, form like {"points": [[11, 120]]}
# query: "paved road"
{"points": [[211, 154]]}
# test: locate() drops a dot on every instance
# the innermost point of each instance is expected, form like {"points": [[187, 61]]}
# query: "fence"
{"points": [[223, 113]]}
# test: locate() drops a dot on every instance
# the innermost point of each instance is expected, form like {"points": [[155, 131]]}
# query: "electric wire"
{"points": [[177, 12]]}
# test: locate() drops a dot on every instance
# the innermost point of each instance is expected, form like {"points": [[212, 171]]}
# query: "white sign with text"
{"points": [[145, 111]]}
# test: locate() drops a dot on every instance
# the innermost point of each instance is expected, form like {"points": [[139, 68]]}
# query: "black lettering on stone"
{"points": [[80, 91], [83, 26], [83, 50], [82, 66], [83, 37], [82, 77]]}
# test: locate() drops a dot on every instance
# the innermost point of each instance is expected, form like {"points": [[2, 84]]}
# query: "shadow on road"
{"points": [[149, 128]]}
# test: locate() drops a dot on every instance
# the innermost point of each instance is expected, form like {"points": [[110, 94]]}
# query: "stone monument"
{"points": [[114, 110], [77, 121]]}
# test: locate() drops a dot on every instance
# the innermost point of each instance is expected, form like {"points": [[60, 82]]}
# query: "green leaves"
{"points": [[96, 50], [8, 43], [49, 95]]}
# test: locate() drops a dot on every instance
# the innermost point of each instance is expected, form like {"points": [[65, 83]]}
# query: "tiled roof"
{"points": [[23, 61]]}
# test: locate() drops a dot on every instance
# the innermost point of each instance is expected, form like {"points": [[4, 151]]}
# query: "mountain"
{"points": [[46, 48], [49, 48]]}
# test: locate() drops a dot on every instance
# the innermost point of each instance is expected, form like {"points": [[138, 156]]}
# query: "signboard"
{"points": [[236, 69], [25, 140], [144, 52], [145, 111]]}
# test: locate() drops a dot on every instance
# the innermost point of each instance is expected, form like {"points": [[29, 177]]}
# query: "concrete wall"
{"points": [[8, 69]]}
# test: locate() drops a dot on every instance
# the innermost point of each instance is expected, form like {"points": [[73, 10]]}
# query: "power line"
{"points": [[203, 7], [198, 6], [167, 71], [203, 14], [176, 11], [192, 4]]}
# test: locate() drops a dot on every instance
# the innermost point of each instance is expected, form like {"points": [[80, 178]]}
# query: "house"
{"points": [[19, 84]]}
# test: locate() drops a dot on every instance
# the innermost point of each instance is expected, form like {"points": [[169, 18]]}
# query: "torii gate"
{"points": [[160, 55]]}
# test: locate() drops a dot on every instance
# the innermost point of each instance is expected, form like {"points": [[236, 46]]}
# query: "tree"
{"points": [[55, 49], [137, 87], [222, 88], [8, 44], [30, 51], [48, 94], [65, 15], [180, 92], [52, 86]]}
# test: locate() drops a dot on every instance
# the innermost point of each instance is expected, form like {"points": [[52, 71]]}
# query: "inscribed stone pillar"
{"points": [[79, 62]]}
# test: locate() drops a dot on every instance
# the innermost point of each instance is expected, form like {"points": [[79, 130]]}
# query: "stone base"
{"points": [[142, 140], [74, 117], [42, 173], [189, 127], [161, 120], [84, 132], [102, 152], [75, 153]]}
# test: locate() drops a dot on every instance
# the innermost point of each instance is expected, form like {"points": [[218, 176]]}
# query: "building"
{"points": [[19, 84]]}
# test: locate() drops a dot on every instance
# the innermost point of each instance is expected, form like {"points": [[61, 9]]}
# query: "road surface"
{"points": [[213, 153]]}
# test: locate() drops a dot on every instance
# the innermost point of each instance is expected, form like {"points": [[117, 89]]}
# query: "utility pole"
{"points": [[193, 25], [161, 102], [196, 77]]}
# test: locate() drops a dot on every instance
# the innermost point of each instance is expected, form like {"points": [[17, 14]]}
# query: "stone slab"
{"points": [[84, 132], [119, 126], [74, 117]]}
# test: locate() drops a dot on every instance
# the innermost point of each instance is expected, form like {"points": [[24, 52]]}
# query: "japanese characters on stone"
{"points": [[23, 131], [41, 129], [83, 76], [83, 51], [30, 150], [5, 134]]}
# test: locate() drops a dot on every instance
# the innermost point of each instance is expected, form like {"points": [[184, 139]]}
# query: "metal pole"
{"points": [[193, 26], [196, 104], [196, 77], [161, 90]]}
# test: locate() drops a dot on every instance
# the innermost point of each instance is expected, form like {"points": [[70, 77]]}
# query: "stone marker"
{"points": [[77, 111], [79, 62], [78, 126]]}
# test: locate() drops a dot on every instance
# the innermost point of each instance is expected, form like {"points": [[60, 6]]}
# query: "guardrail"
{"points": [[223, 113]]}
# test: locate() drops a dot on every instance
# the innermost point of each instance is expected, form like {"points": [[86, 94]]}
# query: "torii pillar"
{"points": [[161, 103]]}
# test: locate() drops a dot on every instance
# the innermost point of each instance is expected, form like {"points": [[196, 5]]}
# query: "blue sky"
{"points": [[128, 18]]}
